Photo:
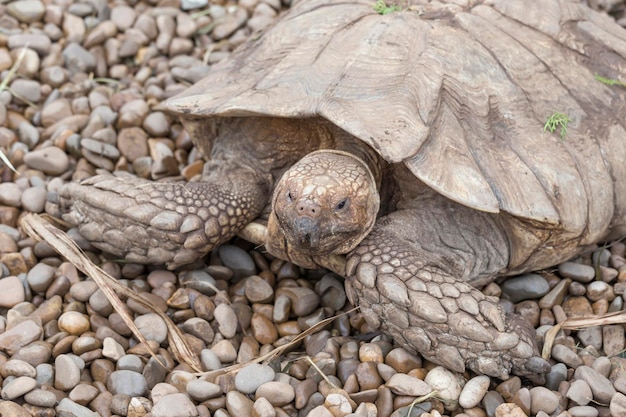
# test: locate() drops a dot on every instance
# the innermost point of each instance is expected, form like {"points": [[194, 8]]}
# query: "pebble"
{"points": [[152, 327], [17, 387], [68, 407], [67, 373], [226, 319], [252, 376], [27, 11], [447, 384], [19, 336], [583, 411], [34, 199], [201, 390], [50, 160], [618, 405], [257, 290], [11, 292], [491, 401], [237, 260], [74, 323], [564, 354], [10, 194], [577, 272], [509, 410], [41, 398], [601, 387], [474, 390], [402, 384], [524, 287], [556, 375], [174, 405], [277, 393], [238, 404], [128, 383]]}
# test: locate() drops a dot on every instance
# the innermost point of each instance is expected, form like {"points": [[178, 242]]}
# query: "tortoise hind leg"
{"points": [[165, 223], [412, 274]]}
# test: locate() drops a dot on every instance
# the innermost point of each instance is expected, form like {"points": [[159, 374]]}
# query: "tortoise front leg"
{"points": [[166, 223], [411, 277]]}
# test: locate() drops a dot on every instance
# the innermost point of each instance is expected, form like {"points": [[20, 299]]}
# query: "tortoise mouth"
{"points": [[318, 237]]}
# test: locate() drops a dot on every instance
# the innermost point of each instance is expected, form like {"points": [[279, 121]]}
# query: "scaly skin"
{"points": [[166, 223]]}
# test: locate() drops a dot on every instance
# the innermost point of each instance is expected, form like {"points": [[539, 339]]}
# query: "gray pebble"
{"points": [[524, 287], [474, 391], [41, 398], [18, 387], [579, 392], [576, 271], [556, 375], [27, 11], [226, 319], [238, 260], [153, 327], [198, 280], [123, 16], [45, 374], [17, 367], [601, 387], [491, 401], [584, 411], [50, 160], [10, 194], [128, 383], [564, 354], [34, 199], [618, 405], [193, 4], [28, 134], [28, 89], [35, 41], [78, 59], [103, 149], [201, 390], [130, 363], [249, 378], [210, 360]]}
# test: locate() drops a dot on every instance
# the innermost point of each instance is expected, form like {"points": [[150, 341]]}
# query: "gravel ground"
{"points": [[81, 101]]}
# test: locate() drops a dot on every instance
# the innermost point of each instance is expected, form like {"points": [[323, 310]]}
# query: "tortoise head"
{"points": [[326, 203]]}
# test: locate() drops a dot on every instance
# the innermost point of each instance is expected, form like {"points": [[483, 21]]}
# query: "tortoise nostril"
{"points": [[308, 208]]}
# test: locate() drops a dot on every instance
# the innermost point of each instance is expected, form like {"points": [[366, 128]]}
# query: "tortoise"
{"points": [[410, 145]]}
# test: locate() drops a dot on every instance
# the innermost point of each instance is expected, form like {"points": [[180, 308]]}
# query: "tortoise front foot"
{"points": [[159, 222], [405, 290]]}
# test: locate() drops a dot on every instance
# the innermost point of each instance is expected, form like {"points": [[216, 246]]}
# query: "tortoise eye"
{"points": [[290, 196], [342, 204]]}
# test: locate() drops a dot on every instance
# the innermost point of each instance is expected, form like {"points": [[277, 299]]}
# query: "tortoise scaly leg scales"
{"points": [[166, 223], [412, 280]]}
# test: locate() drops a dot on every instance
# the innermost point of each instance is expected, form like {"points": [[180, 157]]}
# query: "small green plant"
{"points": [[557, 120], [609, 81], [381, 7]]}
